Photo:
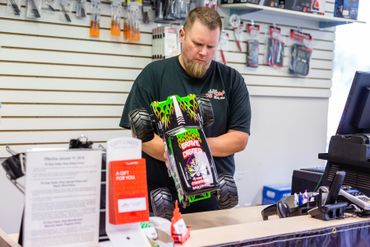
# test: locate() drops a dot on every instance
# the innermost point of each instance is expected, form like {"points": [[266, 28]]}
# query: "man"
{"points": [[194, 71]]}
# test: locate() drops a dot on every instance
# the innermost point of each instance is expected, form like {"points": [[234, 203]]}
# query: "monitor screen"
{"points": [[356, 114]]}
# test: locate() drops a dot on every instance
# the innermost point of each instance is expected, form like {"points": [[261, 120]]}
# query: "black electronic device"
{"points": [[335, 187], [356, 197], [354, 147], [356, 118], [14, 168], [349, 149], [306, 179], [287, 207], [329, 208], [352, 140]]}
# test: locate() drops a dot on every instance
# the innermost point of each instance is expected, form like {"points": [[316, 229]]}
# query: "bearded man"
{"points": [[195, 72]]}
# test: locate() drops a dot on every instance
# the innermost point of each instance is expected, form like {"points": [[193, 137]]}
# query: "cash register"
{"points": [[349, 148], [345, 182]]}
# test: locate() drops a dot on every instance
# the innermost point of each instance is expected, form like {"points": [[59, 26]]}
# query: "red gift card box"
{"points": [[128, 194]]}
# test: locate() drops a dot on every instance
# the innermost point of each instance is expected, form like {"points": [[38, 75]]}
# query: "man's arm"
{"points": [[229, 143], [154, 148], [221, 146]]}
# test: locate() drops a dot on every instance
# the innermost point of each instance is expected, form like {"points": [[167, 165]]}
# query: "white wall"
{"points": [[11, 205], [57, 83], [287, 134]]}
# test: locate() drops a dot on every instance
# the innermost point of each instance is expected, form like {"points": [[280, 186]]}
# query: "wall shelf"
{"points": [[323, 21]]}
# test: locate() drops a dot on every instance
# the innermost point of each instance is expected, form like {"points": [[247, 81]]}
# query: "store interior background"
{"points": [[351, 53]]}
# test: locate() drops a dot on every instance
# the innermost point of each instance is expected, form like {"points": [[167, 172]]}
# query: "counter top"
{"points": [[240, 224]]}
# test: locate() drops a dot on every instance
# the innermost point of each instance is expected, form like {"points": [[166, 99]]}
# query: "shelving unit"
{"points": [[323, 21]]}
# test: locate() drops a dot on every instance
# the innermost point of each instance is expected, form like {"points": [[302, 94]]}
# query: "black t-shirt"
{"points": [[223, 85]]}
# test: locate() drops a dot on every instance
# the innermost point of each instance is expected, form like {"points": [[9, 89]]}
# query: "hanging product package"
{"points": [[252, 45], [80, 8], [147, 8], [33, 9], [13, 6], [236, 25], [300, 53], [116, 9], [212, 4], [65, 7], [48, 6], [131, 31], [222, 47], [180, 9], [274, 47], [95, 18]]}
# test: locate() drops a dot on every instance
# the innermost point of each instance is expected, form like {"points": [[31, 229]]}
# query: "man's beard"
{"points": [[195, 69]]}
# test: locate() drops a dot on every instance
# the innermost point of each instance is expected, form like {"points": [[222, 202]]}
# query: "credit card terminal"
{"points": [[356, 197]]}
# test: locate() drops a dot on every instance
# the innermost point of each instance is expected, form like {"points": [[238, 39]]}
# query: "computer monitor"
{"points": [[349, 149], [356, 114]]}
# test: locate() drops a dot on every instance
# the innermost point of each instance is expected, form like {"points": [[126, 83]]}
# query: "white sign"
{"points": [[123, 148], [62, 198], [128, 235]]}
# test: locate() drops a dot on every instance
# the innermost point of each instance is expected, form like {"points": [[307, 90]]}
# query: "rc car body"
{"points": [[179, 122]]}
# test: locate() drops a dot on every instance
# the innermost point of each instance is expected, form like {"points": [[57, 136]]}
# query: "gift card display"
{"points": [[128, 196]]}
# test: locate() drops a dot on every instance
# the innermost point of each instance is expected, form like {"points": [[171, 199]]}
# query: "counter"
{"points": [[244, 226]]}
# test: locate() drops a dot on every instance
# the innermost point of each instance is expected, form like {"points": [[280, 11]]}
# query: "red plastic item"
{"points": [[179, 231]]}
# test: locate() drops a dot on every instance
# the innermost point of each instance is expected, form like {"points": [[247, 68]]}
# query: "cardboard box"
{"points": [[273, 193]]}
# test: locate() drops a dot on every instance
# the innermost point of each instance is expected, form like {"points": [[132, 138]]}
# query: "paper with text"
{"points": [[62, 198]]}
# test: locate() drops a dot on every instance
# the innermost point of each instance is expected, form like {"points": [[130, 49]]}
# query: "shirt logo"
{"points": [[215, 94]]}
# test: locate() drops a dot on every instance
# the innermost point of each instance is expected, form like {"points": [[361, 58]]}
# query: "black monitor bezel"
{"points": [[360, 83]]}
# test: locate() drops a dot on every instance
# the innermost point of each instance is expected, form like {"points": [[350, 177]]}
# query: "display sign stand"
{"points": [[126, 194]]}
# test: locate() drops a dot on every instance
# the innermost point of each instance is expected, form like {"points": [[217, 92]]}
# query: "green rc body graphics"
{"points": [[179, 123]]}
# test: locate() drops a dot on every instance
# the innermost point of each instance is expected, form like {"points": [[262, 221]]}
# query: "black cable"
{"points": [[318, 183]]}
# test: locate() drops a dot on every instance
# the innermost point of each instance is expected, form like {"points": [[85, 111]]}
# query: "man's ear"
{"points": [[182, 34]]}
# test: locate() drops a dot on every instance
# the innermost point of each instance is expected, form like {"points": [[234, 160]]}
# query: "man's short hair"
{"points": [[208, 17]]}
